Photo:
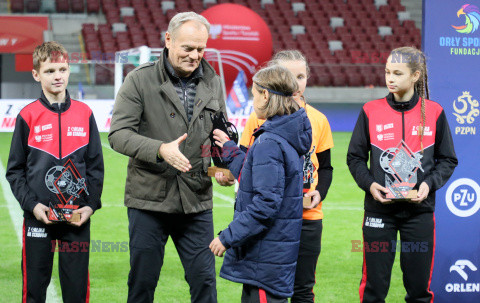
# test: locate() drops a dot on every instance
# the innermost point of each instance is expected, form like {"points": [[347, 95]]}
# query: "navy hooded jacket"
{"points": [[263, 239]]}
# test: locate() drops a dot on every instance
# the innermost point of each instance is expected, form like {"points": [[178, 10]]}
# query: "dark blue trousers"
{"points": [[191, 234]]}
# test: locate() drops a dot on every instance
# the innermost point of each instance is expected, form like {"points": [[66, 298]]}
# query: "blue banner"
{"points": [[238, 97], [451, 41]]}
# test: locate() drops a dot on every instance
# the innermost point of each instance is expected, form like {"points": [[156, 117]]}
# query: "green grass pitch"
{"points": [[338, 270]]}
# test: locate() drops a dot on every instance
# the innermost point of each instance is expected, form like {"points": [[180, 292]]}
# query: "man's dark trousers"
{"points": [[191, 234]]}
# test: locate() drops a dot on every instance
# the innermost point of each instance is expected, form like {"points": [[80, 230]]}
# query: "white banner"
{"points": [[9, 109], [102, 110]]}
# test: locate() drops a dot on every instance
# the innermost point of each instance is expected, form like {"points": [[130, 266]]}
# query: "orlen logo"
{"points": [[472, 19], [463, 197], [459, 267], [463, 267]]}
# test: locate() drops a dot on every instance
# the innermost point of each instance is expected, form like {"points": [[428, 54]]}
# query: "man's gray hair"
{"points": [[181, 18]]}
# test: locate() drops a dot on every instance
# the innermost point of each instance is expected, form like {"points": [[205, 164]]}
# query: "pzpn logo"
{"points": [[465, 109]]}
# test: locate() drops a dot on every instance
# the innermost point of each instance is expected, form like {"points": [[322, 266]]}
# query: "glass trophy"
{"points": [[401, 165], [68, 185]]}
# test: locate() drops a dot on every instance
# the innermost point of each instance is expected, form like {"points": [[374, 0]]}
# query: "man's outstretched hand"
{"points": [[171, 153]]}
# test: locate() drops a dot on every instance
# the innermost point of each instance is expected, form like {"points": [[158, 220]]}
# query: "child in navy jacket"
{"points": [[262, 241]]}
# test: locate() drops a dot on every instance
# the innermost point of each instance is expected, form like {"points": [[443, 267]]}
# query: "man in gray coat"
{"points": [[161, 120]]}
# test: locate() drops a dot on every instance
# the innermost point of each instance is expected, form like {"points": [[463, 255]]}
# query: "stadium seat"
{"points": [[16, 6], [104, 28], [168, 5], [329, 35], [297, 29], [335, 45], [78, 6], [93, 6], [384, 30], [370, 79], [127, 11], [402, 16], [122, 37], [343, 56], [112, 17], [298, 7], [62, 6], [119, 27], [123, 3], [339, 79], [33, 6], [336, 22], [206, 2], [324, 80], [379, 3], [354, 79]]}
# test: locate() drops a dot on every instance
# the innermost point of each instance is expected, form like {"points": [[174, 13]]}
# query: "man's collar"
{"points": [[197, 73]]}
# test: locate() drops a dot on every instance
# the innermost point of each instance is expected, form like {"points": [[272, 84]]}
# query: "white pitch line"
{"points": [[17, 219], [107, 146], [223, 197]]}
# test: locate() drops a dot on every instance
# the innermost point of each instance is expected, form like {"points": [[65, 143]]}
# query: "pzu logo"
{"points": [[463, 197]]}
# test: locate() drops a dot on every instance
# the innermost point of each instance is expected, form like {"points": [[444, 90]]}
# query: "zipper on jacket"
{"points": [[403, 126], [59, 133]]}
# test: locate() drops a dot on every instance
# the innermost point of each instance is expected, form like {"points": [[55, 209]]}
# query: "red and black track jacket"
{"points": [[45, 138], [381, 125]]}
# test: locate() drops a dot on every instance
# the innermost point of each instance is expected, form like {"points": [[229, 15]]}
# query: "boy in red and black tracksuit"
{"points": [[55, 157], [382, 124]]}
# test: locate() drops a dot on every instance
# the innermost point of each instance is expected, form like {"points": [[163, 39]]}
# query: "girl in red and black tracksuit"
{"points": [[407, 126], [55, 156]]}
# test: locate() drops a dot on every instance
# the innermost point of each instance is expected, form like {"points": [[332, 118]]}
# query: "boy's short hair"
{"points": [[281, 85], [53, 50]]}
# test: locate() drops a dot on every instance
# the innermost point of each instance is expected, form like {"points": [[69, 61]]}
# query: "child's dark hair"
{"points": [[49, 50], [416, 61], [281, 85]]}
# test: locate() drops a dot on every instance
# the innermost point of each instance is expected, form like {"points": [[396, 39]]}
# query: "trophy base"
{"points": [[214, 169], [63, 213], [307, 201], [412, 194]]}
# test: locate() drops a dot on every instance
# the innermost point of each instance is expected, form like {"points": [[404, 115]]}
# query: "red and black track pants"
{"points": [[40, 242], [253, 294], [416, 247]]}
